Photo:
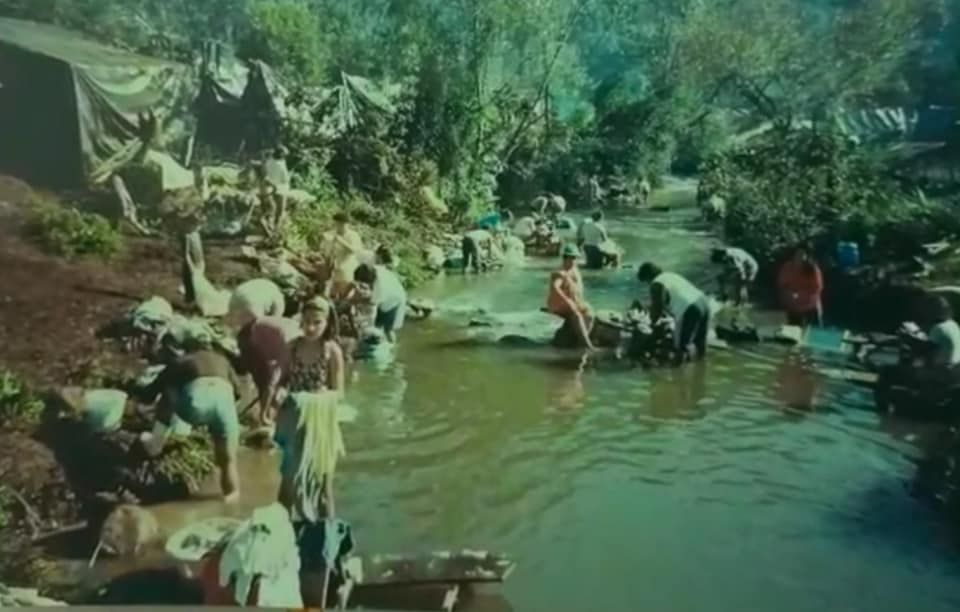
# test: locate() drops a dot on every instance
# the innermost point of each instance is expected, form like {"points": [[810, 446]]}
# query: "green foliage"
{"points": [[6, 507], [69, 232], [19, 406], [286, 34], [789, 188], [187, 460]]}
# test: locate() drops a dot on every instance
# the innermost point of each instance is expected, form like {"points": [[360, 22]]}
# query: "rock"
{"points": [[24, 598], [128, 529]]}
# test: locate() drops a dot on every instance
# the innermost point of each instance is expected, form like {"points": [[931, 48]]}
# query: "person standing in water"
{"points": [[688, 305], [801, 285], [565, 296], [476, 248], [307, 432]]}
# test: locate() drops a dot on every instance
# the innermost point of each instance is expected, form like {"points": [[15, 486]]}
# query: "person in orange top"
{"points": [[565, 296], [801, 284]]}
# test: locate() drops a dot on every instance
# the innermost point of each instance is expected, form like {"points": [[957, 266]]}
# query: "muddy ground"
{"points": [[50, 311]]}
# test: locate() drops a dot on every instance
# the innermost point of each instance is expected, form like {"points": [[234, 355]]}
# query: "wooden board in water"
{"points": [[435, 568]]}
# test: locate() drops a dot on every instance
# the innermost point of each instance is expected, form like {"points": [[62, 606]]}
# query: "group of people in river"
{"points": [[676, 303], [296, 362]]}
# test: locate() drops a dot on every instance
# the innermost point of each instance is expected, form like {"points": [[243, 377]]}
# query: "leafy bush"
{"points": [[69, 232], [6, 502], [801, 186], [18, 405]]}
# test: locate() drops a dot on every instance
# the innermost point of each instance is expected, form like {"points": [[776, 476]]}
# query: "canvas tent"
{"points": [[240, 105], [70, 108]]}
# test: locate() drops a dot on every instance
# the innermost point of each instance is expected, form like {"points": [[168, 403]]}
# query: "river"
{"points": [[746, 483]]}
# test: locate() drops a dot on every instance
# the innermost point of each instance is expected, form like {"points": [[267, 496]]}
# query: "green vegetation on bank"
{"points": [[63, 230], [19, 406]]}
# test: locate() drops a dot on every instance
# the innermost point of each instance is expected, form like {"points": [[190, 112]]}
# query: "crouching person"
{"points": [[200, 389], [929, 363], [384, 291], [673, 294]]}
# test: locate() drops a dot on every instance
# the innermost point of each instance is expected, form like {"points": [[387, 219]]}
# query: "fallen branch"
{"points": [[61, 531], [33, 518]]}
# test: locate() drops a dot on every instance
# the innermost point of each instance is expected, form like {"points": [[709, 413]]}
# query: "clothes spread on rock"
{"points": [[263, 548]]}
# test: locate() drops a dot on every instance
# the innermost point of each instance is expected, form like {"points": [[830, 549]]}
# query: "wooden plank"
{"points": [[435, 568]]}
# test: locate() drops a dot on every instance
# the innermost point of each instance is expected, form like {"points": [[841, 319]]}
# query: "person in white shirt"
{"points": [[688, 305], [275, 188], [739, 271], [525, 227], [385, 292], [929, 362], [343, 246], [596, 244]]}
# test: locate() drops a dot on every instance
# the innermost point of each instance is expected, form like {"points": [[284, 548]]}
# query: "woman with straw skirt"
{"points": [[309, 436]]}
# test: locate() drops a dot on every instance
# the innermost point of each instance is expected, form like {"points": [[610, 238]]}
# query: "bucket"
{"points": [[848, 255]]}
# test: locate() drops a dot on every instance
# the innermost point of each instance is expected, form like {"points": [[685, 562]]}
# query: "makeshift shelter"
{"points": [[240, 105], [72, 111]]}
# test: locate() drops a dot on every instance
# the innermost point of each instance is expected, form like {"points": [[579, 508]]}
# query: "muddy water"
{"points": [[747, 483]]}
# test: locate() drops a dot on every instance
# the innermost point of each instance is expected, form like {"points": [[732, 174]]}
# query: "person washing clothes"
{"points": [[307, 431], [801, 285], [201, 389], [265, 355], [384, 290], [738, 272], [938, 351], [344, 247], [595, 240], [476, 249], [565, 296], [688, 305]]}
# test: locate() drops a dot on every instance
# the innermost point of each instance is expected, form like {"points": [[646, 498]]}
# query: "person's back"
{"points": [[946, 338], [256, 298], [682, 293], [388, 290], [592, 232], [744, 262]]}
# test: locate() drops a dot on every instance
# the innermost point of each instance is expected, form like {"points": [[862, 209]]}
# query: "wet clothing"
{"points": [[263, 341], [694, 327], [800, 289]]}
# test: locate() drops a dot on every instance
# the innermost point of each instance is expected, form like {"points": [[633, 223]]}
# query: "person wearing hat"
{"points": [[201, 389], [565, 296], [688, 305]]}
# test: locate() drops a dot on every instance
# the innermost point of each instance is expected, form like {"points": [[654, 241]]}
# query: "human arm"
{"points": [[659, 300], [335, 368]]}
